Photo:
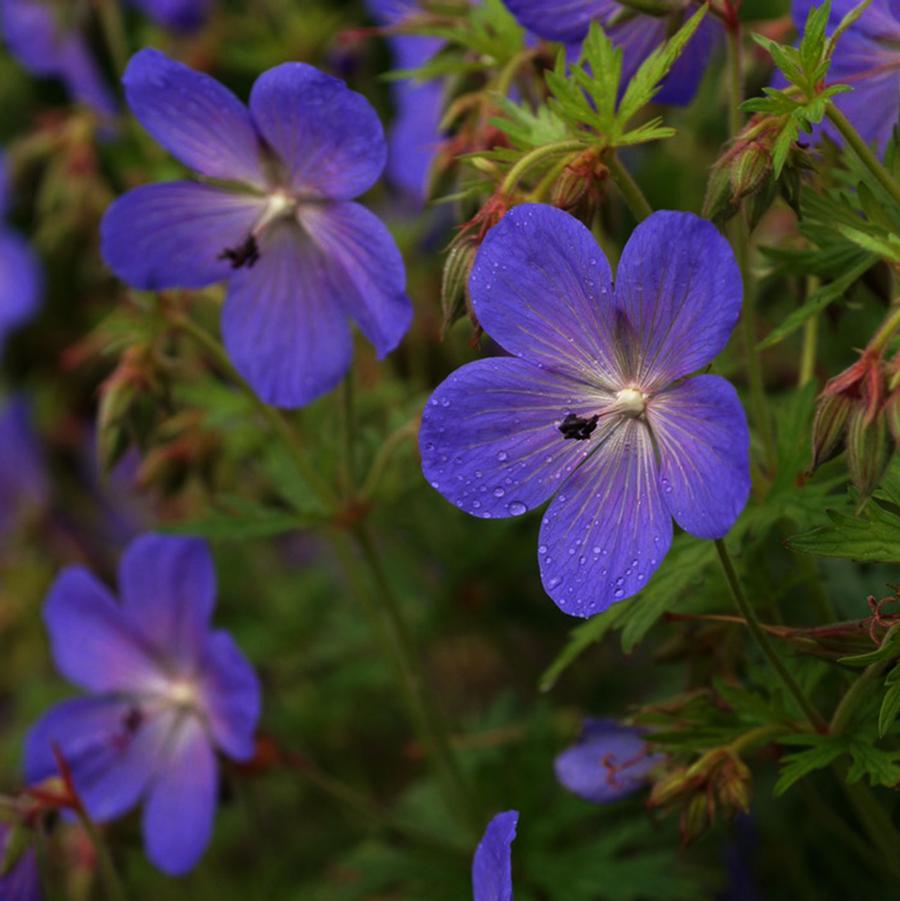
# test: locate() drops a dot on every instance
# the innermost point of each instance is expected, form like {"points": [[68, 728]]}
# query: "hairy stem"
{"points": [[864, 152], [629, 188], [538, 155], [765, 645], [740, 240]]}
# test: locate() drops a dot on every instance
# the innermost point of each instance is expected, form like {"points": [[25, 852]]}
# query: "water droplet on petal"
{"points": [[516, 508]]}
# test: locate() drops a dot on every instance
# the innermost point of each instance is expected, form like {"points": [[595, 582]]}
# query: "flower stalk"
{"points": [[631, 191]]}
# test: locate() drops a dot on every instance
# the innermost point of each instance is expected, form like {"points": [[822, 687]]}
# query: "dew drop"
{"points": [[499, 492], [516, 508]]}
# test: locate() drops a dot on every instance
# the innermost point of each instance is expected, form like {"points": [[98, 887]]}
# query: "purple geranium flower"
{"points": [[301, 259], [867, 58], [165, 692], [609, 762], [638, 36], [22, 882], [21, 280], [491, 865], [23, 475], [593, 409], [46, 47], [414, 137]]}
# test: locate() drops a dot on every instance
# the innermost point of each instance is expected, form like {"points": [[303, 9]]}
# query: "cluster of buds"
{"points": [[860, 410], [456, 301], [716, 784], [579, 189], [743, 175]]}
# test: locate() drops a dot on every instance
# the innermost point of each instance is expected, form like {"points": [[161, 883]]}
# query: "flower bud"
{"points": [[455, 283], [17, 844], [696, 817], [892, 415], [829, 426], [869, 449]]}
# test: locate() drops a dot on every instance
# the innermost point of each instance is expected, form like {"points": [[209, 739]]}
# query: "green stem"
{"points": [[114, 33], [629, 188], [386, 616], [384, 456], [275, 419], [112, 885], [864, 152], [885, 331], [547, 182], [508, 72], [844, 711], [875, 818], [762, 640], [347, 440], [808, 353], [538, 155], [740, 240]]}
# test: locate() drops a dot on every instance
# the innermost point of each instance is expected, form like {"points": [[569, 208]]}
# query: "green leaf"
{"points": [[887, 650], [873, 536], [890, 704], [880, 766], [241, 520], [816, 302], [795, 766]]}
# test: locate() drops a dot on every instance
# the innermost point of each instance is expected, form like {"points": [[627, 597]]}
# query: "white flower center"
{"points": [[631, 401], [279, 204], [184, 694]]}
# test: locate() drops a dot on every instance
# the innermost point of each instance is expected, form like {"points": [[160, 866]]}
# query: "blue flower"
{"points": [[300, 257], [637, 35], [22, 882], [23, 476], [867, 58], [21, 280], [609, 762], [491, 865], [178, 15], [594, 408], [165, 691], [414, 137], [41, 43]]}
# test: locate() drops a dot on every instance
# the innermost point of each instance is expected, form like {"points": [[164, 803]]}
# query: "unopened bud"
{"points": [[732, 784], [892, 415], [750, 169], [670, 788], [455, 283], [869, 449], [116, 397], [696, 817], [829, 426], [16, 845]]}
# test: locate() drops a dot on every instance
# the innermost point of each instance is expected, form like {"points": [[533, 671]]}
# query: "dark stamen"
{"points": [[246, 254], [578, 427]]}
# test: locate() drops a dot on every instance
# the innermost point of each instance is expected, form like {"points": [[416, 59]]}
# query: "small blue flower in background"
{"points": [[165, 691], [40, 42], [492, 864], [414, 137], [23, 477], [178, 15], [638, 36], [22, 882], [300, 257], [867, 58], [593, 409], [609, 762], [21, 280]]}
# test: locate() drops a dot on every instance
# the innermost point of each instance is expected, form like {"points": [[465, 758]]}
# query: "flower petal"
{"points": [[23, 476], [193, 116], [563, 20], [111, 752], [168, 588], [181, 804], [283, 326], [179, 15], [606, 532], [609, 762], [490, 438], [704, 448], [329, 137], [172, 235], [683, 80], [20, 283], [232, 696], [492, 864], [542, 288], [369, 278], [414, 138], [93, 643], [680, 288]]}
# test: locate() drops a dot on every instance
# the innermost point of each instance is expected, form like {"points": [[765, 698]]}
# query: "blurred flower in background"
{"points": [[867, 58], [609, 762], [300, 257], [21, 280], [24, 488], [179, 15], [636, 34], [165, 691], [22, 881]]}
